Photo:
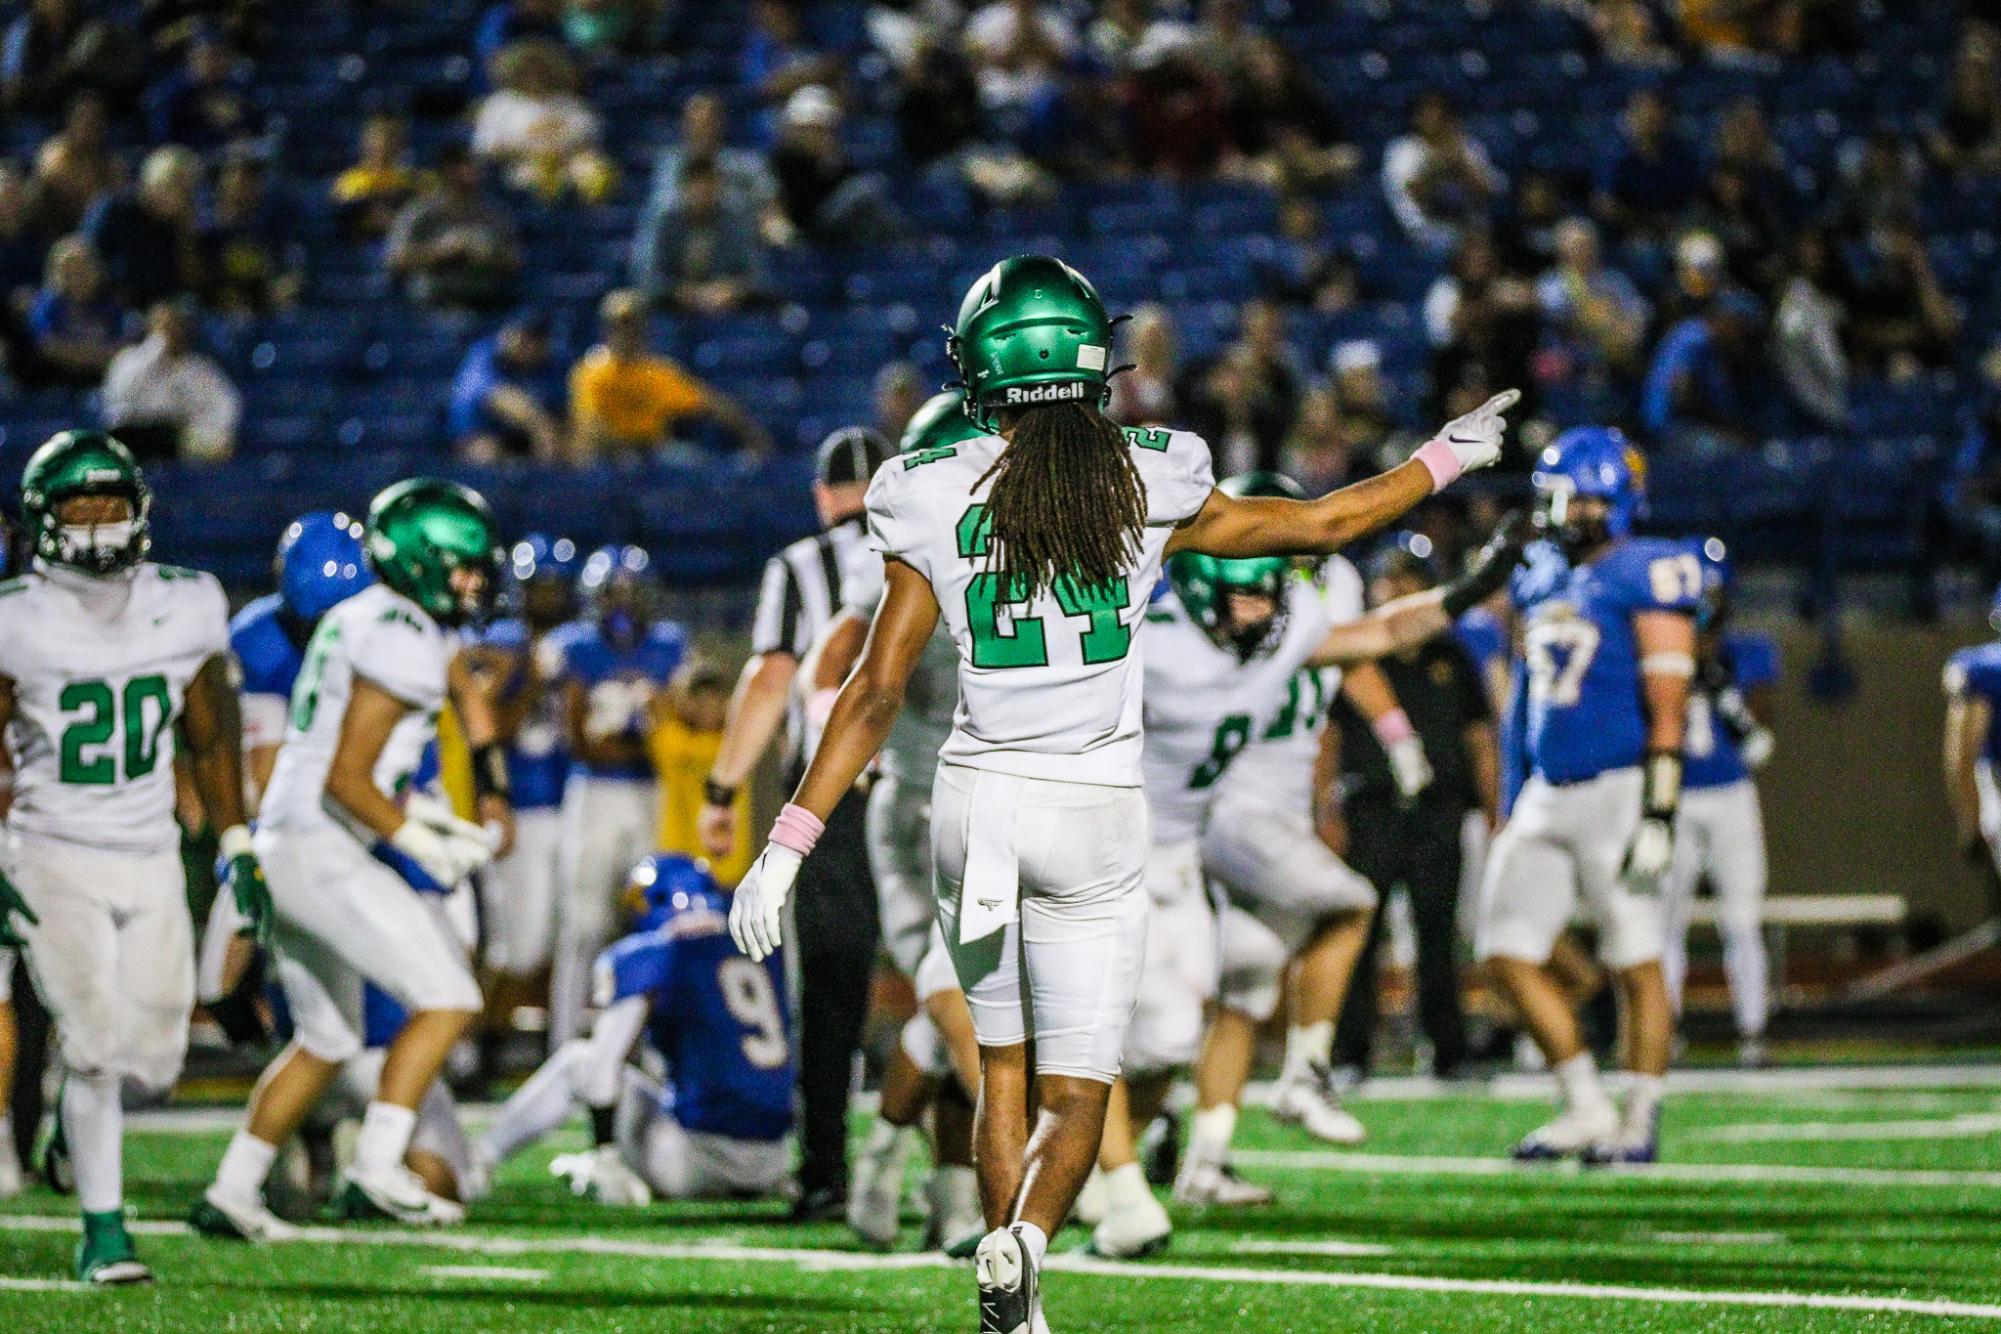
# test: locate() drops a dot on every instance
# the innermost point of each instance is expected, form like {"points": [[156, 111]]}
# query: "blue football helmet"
{"points": [[319, 563], [1595, 461], [668, 884], [1994, 611], [619, 590], [539, 561]]}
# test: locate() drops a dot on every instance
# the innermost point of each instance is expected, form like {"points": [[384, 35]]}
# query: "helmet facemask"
{"points": [[96, 532], [1579, 524]]}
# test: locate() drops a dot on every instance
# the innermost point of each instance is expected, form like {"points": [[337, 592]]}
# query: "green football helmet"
{"points": [[940, 423], [420, 532], [1204, 582], [1031, 330], [85, 463]]}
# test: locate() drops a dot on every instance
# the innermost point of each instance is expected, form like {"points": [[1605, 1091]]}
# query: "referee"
{"points": [[1416, 844], [834, 929]]}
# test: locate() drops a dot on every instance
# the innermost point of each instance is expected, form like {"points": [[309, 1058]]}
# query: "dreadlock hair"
{"points": [[1067, 501]]}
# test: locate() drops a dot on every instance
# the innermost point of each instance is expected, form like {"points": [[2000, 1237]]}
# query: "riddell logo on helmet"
{"points": [[1047, 393]]}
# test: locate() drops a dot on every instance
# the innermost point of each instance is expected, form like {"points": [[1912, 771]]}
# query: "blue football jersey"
{"points": [[263, 648], [717, 1017], [1977, 672], [1585, 715], [1711, 753], [538, 763], [591, 660], [1480, 634]]}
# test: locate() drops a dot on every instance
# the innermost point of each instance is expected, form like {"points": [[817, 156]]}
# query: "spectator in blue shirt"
{"points": [[75, 324], [1697, 395], [748, 189], [1650, 175], [148, 237], [507, 399], [513, 21], [777, 62], [208, 103]]}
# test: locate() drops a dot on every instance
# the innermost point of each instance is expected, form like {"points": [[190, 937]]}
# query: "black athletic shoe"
{"points": [[822, 1204], [1007, 1278]]}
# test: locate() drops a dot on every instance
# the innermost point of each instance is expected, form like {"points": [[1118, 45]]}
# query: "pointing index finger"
{"points": [[1502, 401]]}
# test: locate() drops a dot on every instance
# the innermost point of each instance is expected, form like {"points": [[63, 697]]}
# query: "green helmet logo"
{"points": [[1031, 330], [85, 463], [940, 423], [1204, 583], [421, 532]]}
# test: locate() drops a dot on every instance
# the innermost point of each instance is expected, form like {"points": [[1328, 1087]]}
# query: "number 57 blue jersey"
{"points": [[1585, 710], [718, 1018]]}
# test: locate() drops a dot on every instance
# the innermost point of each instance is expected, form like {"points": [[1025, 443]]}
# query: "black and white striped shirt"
{"points": [[802, 590]]}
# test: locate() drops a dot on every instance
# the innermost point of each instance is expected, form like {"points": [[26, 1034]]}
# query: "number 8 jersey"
{"points": [[1585, 714], [1048, 688], [100, 668]]}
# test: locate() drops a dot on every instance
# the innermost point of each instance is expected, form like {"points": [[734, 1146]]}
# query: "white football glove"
{"points": [[1475, 439], [1756, 747], [1648, 855], [1408, 766], [447, 848], [758, 908], [602, 1175]]}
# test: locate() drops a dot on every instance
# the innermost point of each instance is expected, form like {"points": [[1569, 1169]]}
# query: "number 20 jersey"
{"points": [[97, 690], [1050, 688], [1585, 713]]}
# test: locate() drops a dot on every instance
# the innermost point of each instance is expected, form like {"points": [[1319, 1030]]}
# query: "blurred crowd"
{"points": [[1695, 284]]}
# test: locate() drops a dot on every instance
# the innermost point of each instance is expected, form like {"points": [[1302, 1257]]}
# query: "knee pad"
{"points": [[333, 1047], [935, 973], [1254, 959]]}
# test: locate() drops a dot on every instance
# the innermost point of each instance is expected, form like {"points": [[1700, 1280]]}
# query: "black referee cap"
{"points": [[851, 454]]}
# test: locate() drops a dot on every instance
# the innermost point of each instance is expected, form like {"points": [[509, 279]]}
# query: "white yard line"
{"points": [[1972, 1125], [1080, 1264], [1315, 1160], [485, 1273], [1350, 1249], [1714, 1238], [8, 1283]]}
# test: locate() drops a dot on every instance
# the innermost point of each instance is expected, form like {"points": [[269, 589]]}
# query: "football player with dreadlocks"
{"points": [[1608, 636], [108, 661], [1038, 545], [1225, 650], [347, 857]]}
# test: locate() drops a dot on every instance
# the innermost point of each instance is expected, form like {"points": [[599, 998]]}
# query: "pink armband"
{"points": [[797, 828], [1441, 462], [1393, 727]]}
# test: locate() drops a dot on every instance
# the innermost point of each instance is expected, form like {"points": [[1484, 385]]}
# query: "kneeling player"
{"points": [[717, 1126], [1609, 639]]}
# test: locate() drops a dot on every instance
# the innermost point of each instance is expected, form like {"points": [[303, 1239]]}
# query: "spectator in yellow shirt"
{"points": [[369, 194], [687, 731], [625, 399]]}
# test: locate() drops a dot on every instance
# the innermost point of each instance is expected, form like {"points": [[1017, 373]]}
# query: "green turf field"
{"points": [[1798, 1209]]}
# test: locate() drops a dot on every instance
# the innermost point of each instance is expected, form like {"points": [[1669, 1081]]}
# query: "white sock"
{"points": [[539, 1106], [1643, 1099], [1578, 1078], [94, 1120], [6, 1129], [1209, 1140], [245, 1164], [1033, 1240], [883, 1137], [1307, 1045], [385, 1137], [1126, 1186]]}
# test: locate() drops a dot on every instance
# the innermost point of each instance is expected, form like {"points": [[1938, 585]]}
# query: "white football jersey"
{"points": [[1048, 688], [100, 670], [1205, 706], [1276, 769], [930, 699], [392, 643]]}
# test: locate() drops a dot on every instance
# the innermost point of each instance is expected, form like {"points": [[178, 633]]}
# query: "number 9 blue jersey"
{"points": [[1585, 711], [718, 1019]]}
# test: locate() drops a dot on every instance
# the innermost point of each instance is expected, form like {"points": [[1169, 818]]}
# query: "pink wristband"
{"points": [[1393, 727], [797, 828], [1439, 460]]}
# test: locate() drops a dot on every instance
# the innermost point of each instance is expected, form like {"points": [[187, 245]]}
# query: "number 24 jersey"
{"points": [[1048, 688], [1585, 714], [97, 689]]}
